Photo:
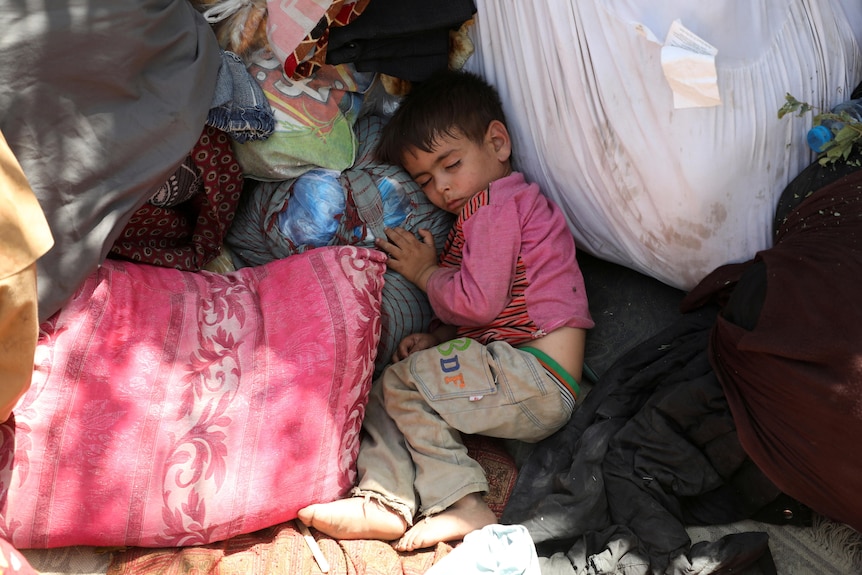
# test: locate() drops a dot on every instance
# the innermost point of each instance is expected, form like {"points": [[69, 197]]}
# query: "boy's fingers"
{"points": [[427, 237], [398, 233]]}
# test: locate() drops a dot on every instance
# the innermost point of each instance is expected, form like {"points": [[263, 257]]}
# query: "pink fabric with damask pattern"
{"points": [[175, 408]]}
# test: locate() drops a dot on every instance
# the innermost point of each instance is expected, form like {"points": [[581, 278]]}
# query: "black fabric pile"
{"points": [[408, 39], [652, 449]]}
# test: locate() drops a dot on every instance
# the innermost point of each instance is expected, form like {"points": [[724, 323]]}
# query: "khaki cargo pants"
{"points": [[412, 457]]}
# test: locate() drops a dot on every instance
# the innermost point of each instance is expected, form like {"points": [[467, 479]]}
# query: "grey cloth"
{"points": [[101, 101]]}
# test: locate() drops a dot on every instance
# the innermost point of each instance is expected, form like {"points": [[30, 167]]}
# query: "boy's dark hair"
{"points": [[449, 103]]}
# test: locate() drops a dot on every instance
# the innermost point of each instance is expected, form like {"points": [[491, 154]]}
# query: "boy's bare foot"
{"points": [[465, 515], [354, 518]]}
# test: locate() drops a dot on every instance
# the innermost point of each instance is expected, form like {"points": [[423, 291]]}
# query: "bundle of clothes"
{"points": [[286, 160]]}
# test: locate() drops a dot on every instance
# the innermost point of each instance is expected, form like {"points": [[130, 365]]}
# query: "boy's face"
{"points": [[459, 168]]}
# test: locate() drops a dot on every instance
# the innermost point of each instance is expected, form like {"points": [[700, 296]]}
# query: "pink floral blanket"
{"points": [[174, 408]]}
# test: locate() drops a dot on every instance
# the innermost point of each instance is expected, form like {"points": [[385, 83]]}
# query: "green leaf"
{"points": [[846, 133], [793, 106], [845, 140]]}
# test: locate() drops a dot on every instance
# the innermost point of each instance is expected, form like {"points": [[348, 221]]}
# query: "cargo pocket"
{"points": [[460, 369]]}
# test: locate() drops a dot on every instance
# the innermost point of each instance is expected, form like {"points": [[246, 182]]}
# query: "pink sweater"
{"points": [[508, 268]]}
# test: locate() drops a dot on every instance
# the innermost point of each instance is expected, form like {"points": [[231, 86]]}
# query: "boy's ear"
{"points": [[498, 136]]}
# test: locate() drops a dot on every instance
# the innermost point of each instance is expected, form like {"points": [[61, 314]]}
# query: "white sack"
{"points": [[671, 192]]}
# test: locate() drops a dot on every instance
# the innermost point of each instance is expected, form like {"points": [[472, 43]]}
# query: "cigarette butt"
{"points": [[315, 548]]}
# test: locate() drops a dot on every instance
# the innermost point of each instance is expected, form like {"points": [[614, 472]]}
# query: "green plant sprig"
{"points": [[841, 146]]}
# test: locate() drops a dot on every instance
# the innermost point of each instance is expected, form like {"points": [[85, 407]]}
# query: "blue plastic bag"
{"points": [[315, 207]]}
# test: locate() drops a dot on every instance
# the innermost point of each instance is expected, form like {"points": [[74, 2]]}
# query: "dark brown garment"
{"points": [[789, 353]]}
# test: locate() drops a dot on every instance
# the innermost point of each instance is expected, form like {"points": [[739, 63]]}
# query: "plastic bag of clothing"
{"points": [[317, 204], [599, 117]]}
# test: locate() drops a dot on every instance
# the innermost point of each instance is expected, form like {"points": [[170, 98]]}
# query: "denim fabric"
{"points": [[412, 455], [239, 106]]}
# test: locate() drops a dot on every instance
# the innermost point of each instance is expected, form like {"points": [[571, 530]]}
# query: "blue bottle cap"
{"points": [[819, 136]]}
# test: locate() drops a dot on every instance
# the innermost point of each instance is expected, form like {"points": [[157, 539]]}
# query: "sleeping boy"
{"points": [[507, 350]]}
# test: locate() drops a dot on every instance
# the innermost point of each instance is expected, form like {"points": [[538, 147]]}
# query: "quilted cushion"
{"points": [[174, 408]]}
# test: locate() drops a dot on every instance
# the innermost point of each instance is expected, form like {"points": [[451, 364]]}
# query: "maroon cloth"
{"points": [[794, 380], [188, 235]]}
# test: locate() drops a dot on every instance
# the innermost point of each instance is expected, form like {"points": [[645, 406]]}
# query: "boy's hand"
{"points": [[414, 342], [415, 260]]}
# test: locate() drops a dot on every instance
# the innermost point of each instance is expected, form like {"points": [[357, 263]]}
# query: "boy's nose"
{"points": [[443, 187]]}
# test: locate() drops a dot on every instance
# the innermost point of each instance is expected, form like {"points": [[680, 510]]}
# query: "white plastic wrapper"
{"points": [[652, 170]]}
